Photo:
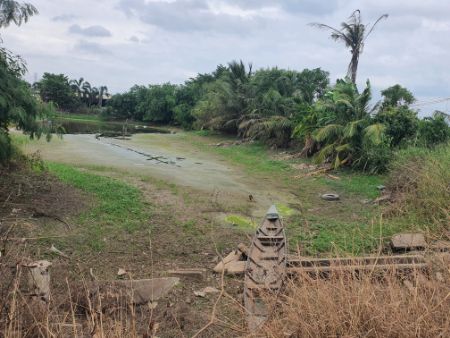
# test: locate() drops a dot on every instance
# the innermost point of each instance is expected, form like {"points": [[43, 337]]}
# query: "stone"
{"points": [[408, 241]]}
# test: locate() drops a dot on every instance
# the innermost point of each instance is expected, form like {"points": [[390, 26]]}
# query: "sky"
{"points": [[119, 43]]}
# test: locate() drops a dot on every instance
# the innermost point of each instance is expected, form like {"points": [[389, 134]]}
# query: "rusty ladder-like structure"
{"points": [[265, 268]]}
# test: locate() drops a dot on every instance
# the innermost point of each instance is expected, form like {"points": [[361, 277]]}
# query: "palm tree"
{"points": [[87, 93], [102, 91], [342, 125], [353, 34], [13, 11], [77, 86]]}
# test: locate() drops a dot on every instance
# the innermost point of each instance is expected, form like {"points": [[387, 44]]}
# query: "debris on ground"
{"points": [[202, 293], [39, 279], [141, 291], [234, 262], [330, 197], [408, 242], [121, 273], [386, 197], [58, 252], [199, 274]]}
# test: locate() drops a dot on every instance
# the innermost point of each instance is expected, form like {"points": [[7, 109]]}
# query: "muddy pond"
{"points": [[174, 157]]}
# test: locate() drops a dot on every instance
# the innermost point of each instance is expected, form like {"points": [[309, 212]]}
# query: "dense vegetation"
{"points": [[70, 95], [333, 123]]}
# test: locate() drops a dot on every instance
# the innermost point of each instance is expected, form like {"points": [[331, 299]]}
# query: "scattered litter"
{"points": [[121, 272], [58, 252], [382, 199], [330, 197], [202, 293]]}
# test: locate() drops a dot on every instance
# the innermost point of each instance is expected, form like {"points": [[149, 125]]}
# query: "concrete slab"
{"points": [[408, 241]]}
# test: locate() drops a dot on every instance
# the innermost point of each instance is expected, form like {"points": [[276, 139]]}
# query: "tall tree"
{"points": [[354, 35], [16, 12], [103, 90], [77, 86], [56, 88]]}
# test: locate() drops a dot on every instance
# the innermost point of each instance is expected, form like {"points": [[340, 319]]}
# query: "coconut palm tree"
{"points": [[354, 35], [16, 12], [103, 90], [77, 86], [342, 125]]}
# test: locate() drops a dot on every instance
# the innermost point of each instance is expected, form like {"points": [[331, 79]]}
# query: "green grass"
{"points": [[118, 207], [78, 117], [240, 222], [253, 157], [355, 184], [317, 235]]}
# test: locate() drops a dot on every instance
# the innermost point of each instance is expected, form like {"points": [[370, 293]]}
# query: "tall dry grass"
{"points": [[420, 183], [386, 305]]}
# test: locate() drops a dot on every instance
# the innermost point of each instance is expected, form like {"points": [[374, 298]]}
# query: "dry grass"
{"points": [[386, 305], [420, 183]]}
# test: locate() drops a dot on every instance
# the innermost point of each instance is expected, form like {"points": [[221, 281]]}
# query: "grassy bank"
{"points": [[117, 208]]}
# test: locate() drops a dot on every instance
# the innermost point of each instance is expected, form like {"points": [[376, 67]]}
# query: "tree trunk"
{"points": [[353, 66]]}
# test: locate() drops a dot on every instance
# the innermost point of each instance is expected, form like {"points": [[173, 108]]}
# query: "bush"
{"points": [[433, 130]]}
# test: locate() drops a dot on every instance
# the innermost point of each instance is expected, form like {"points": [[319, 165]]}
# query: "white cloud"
{"points": [[154, 41]]}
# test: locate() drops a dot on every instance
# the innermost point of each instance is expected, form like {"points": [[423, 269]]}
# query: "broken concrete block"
{"points": [[233, 256], [235, 268], [39, 279], [408, 241], [199, 274], [205, 291], [140, 291]]}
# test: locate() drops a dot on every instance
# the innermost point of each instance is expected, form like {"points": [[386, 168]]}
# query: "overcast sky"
{"points": [[120, 43]]}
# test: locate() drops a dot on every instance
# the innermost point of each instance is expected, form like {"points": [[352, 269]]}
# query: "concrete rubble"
{"points": [[408, 241]]}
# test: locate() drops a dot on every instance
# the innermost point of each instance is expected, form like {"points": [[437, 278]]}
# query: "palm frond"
{"points": [[374, 133]]}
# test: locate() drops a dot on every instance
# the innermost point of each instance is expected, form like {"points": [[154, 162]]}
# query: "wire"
{"points": [[430, 102]]}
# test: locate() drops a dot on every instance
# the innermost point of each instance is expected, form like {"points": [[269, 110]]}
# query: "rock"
{"points": [[381, 187], [199, 274], [121, 272], [408, 241]]}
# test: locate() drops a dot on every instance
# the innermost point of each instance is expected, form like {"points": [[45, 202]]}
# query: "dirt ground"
{"points": [[36, 209]]}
